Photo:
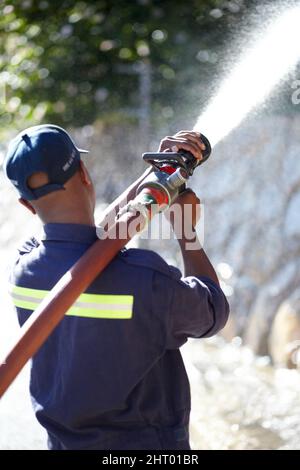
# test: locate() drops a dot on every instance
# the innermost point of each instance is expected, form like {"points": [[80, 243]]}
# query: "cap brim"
{"points": [[83, 151]]}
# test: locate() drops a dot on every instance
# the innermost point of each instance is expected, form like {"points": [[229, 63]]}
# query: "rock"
{"points": [[284, 341], [230, 330], [292, 219], [290, 158], [264, 309]]}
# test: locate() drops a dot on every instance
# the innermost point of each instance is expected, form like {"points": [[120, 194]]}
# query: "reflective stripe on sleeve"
{"points": [[87, 305]]}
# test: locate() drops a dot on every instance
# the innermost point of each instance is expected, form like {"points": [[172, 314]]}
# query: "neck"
{"points": [[68, 215]]}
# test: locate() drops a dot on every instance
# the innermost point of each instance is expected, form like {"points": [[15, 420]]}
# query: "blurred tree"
{"points": [[74, 61]]}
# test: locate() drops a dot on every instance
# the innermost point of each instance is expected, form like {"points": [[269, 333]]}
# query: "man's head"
{"points": [[44, 165]]}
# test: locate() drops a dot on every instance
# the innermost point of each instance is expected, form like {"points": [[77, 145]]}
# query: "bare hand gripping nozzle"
{"points": [[181, 159], [172, 170]]}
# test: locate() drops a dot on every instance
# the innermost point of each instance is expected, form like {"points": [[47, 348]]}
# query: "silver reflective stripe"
{"points": [[25, 298]]}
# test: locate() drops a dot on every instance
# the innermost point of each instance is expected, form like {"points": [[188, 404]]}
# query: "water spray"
{"points": [[250, 82], [262, 66]]}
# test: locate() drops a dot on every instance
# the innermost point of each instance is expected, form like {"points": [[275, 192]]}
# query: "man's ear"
{"points": [[27, 204], [84, 174]]}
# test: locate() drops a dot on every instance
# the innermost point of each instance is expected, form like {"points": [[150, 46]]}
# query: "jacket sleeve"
{"points": [[198, 309]]}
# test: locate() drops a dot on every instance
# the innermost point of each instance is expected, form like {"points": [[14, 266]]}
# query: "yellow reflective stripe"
{"points": [[87, 305], [93, 313], [91, 298], [24, 304], [35, 293]]}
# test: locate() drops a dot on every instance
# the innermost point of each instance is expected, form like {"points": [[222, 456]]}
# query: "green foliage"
{"points": [[72, 62]]}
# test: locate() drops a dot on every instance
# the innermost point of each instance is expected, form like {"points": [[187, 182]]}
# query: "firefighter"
{"points": [[111, 375]]}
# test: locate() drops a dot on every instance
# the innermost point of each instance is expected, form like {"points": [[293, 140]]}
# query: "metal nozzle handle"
{"points": [[182, 158]]}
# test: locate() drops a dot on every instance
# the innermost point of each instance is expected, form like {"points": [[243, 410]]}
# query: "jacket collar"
{"points": [[69, 232]]}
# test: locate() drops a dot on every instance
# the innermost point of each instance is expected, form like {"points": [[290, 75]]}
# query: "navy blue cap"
{"points": [[46, 148]]}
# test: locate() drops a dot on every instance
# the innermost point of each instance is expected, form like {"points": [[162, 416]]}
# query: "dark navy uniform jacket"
{"points": [[111, 376]]}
